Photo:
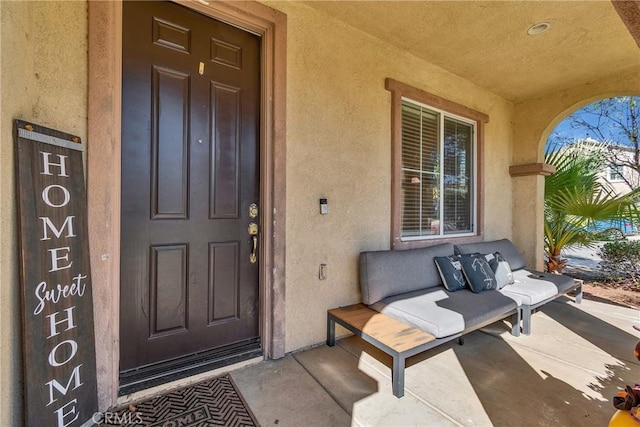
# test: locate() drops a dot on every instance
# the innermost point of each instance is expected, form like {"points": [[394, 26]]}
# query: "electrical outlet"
{"points": [[322, 273]]}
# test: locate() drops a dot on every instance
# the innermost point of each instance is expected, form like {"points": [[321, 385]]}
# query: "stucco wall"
{"points": [[43, 78], [338, 136], [534, 121], [338, 146]]}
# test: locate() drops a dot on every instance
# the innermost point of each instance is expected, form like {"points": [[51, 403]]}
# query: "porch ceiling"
{"points": [[486, 42]]}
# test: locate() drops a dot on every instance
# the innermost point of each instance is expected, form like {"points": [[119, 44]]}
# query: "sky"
{"points": [[565, 133]]}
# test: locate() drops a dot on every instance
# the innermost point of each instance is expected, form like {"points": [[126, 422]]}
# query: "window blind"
{"points": [[430, 191], [458, 137], [420, 167]]}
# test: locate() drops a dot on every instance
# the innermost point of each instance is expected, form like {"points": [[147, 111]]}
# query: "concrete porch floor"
{"points": [[564, 374]]}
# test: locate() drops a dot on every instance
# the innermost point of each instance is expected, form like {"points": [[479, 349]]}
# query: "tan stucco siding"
{"points": [[43, 78], [338, 146]]}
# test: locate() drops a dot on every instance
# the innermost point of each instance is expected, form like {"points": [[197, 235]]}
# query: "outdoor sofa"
{"points": [[409, 309], [533, 288]]}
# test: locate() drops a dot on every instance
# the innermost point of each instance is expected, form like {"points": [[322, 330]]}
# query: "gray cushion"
{"points": [[531, 291], [387, 273], [504, 246], [442, 313], [560, 281], [534, 286]]}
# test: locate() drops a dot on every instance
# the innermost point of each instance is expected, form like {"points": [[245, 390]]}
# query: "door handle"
{"points": [[254, 257], [253, 232]]}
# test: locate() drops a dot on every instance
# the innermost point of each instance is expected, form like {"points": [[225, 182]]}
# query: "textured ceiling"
{"points": [[487, 42]]}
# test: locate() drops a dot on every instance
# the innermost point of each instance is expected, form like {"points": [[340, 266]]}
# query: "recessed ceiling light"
{"points": [[538, 28]]}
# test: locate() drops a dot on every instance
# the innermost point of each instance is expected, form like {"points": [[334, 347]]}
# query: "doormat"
{"points": [[215, 402]]}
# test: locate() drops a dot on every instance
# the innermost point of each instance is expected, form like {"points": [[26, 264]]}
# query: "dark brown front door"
{"points": [[190, 172]]}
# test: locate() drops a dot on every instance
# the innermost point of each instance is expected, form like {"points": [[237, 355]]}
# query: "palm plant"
{"points": [[574, 197]]}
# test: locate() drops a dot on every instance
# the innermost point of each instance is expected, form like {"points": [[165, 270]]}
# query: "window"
{"points": [[437, 170], [616, 173], [436, 184]]}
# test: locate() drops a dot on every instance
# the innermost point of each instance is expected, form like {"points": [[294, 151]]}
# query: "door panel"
{"points": [[225, 103], [168, 289], [169, 143], [223, 281], [190, 170]]}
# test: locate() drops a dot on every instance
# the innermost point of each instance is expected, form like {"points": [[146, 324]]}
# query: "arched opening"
{"points": [[590, 198], [534, 121], [560, 117]]}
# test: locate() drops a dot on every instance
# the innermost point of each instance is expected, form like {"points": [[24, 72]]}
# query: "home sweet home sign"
{"points": [[57, 306]]}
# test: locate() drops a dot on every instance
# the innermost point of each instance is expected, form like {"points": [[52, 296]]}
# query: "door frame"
{"points": [[104, 172]]}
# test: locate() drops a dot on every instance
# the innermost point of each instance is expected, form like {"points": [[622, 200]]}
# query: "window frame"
{"points": [[399, 92], [617, 169], [443, 116]]}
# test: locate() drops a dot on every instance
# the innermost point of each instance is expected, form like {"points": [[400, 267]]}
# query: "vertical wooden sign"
{"points": [[57, 306]]}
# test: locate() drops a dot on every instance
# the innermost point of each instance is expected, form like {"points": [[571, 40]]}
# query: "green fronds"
{"points": [[575, 197]]}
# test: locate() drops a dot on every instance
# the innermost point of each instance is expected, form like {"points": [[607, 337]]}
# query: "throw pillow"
{"points": [[450, 271], [478, 273], [501, 269]]}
